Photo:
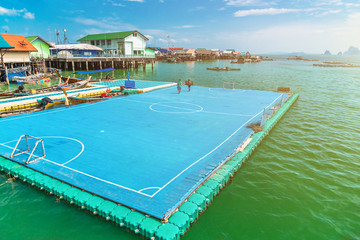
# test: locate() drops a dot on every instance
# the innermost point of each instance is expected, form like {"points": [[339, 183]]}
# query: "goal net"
{"points": [[32, 148]]}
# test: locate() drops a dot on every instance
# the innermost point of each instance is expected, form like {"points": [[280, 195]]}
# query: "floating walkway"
{"points": [[155, 212]]}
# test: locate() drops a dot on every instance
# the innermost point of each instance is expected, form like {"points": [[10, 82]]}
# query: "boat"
{"points": [[43, 104], [21, 92], [74, 100], [39, 78], [74, 80], [223, 69]]}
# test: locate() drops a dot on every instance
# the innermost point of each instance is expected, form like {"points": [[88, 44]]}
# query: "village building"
{"points": [[205, 54], [4, 46], [216, 52], [42, 46], [75, 50], [186, 53], [20, 54], [16, 60], [150, 53], [128, 44]]}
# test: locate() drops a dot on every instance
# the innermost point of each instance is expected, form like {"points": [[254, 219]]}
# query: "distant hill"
{"points": [[297, 53], [327, 52], [352, 51]]}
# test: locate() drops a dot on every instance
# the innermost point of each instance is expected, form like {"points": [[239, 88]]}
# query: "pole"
{"points": [[6, 76]]}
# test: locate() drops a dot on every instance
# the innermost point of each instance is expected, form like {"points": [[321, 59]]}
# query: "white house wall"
{"points": [[139, 43], [16, 57]]}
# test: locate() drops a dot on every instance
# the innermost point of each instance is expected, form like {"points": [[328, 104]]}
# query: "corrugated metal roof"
{"points": [[20, 43], [79, 46], [104, 36], [4, 44]]}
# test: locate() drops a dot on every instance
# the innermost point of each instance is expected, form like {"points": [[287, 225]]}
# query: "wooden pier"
{"points": [[76, 64]]}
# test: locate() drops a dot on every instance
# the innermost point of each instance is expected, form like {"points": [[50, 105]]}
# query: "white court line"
{"points": [[148, 188], [88, 175], [165, 105], [82, 145], [213, 149], [206, 154]]}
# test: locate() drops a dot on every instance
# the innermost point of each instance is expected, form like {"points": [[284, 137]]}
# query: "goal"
{"points": [[32, 147]]}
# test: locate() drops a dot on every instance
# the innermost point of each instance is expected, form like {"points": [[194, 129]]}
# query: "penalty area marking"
{"points": [[88, 175], [73, 139]]}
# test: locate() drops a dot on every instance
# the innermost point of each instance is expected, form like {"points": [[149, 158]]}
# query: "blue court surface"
{"points": [[148, 151]]}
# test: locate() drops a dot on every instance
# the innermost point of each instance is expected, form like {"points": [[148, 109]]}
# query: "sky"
{"points": [[258, 26]]}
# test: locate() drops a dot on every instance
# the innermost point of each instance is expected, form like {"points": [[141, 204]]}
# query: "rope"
{"points": [[7, 181]]}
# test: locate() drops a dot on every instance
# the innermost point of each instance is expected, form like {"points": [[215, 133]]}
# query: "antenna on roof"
{"points": [[65, 38], [57, 36]]}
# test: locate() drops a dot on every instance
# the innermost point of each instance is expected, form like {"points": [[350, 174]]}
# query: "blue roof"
{"points": [[4, 44]]}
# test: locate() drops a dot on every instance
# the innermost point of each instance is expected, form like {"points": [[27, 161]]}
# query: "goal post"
{"points": [[30, 145]]}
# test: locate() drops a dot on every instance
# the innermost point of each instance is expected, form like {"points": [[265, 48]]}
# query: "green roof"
{"points": [[4, 44], [104, 36], [30, 39]]}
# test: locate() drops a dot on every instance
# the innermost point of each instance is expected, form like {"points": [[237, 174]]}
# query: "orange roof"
{"points": [[20, 43]]}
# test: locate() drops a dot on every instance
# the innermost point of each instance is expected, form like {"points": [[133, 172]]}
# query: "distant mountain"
{"points": [[340, 53], [352, 51], [297, 53], [327, 52]]}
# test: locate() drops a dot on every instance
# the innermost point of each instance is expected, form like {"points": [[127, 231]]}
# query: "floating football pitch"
{"points": [[148, 151]]}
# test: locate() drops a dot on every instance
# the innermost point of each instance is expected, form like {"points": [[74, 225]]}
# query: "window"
{"points": [[135, 34], [92, 42], [97, 42], [103, 42], [108, 42]]}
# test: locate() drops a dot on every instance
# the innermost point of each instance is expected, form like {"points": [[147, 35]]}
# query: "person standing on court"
{"points": [[189, 83], [179, 83]]}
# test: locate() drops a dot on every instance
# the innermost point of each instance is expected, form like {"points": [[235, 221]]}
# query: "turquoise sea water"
{"points": [[302, 182]]}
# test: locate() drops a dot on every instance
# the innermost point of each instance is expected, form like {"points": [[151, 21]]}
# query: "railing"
{"points": [[104, 55]]}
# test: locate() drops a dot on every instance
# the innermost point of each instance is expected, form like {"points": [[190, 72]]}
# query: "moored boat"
{"points": [[223, 69]]}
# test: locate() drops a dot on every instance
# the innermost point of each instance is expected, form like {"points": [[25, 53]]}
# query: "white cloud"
{"points": [[118, 5], [266, 11], [198, 8], [10, 12], [29, 15], [16, 12], [104, 24], [248, 3], [330, 2], [6, 28], [310, 37], [141, 1], [162, 1], [186, 26], [330, 12], [184, 40], [162, 40]]}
